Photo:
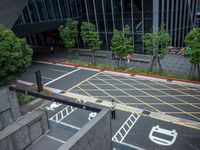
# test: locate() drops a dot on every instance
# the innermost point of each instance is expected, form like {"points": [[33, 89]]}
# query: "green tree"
{"points": [[68, 32], [157, 41], [192, 40], [156, 44], [15, 56], [91, 38], [122, 44]]}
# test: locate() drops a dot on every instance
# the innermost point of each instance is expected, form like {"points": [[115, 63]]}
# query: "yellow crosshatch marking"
{"points": [[99, 78], [159, 98]]}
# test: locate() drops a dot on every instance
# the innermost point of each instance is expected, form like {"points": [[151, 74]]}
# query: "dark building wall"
{"points": [[10, 11], [143, 16]]}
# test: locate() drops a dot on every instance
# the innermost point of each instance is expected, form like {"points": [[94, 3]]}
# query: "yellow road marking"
{"points": [[158, 103], [130, 95], [189, 124], [83, 81], [179, 98], [105, 92], [157, 98]]}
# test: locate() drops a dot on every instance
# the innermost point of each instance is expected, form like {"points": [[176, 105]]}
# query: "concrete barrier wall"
{"points": [[9, 108], [95, 135], [24, 132], [171, 63]]}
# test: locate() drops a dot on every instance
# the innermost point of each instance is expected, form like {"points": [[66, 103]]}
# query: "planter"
{"points": [[9, 108]]}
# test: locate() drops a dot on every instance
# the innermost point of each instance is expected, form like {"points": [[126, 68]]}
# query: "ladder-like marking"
{"points": [[58, 117], [122, 132]]}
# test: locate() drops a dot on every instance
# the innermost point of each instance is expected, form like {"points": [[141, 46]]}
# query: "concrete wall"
{"points": [[171, 63], [9, 108], [95, 135], [24, 132], [10, 11]]}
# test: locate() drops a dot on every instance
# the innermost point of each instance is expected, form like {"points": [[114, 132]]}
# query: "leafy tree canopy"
{"points": [[122, 43], [159, 41], [192, 40], [15, 56], [68, 31], [90, 36]]}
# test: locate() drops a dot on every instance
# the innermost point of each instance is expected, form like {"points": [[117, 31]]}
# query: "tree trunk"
{"points": [[93, 57], [69, 55]]}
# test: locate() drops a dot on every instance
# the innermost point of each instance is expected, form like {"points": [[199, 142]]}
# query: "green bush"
{"points": [[24, 98]]}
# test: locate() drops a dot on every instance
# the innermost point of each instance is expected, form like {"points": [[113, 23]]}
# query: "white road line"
{"points": [[132, 146], [129, 123], [38, 139], [90, 69], [47, 78], [25, 82], [56, 139], [58, 70], [68, 125], [63, 65], [61, 76], [117, 73]]}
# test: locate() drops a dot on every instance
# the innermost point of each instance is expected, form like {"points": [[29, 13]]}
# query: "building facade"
{"points": [[143, 16]]}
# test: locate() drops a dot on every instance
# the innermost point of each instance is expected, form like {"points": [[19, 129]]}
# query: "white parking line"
{"points": [[58, 70], [61, 76], [47, 78], [56, 139], [125, 128], [67, 125]]}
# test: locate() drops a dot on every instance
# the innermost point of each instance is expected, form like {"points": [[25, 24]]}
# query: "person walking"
{"points": [[113, 105], [52, 50]]}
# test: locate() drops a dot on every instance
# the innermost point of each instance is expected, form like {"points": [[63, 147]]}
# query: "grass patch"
{"points": [[140, 71], [24, 98]]}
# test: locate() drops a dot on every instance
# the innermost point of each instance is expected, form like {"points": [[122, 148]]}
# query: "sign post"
{"points": [[128, 58], [39, 81]]}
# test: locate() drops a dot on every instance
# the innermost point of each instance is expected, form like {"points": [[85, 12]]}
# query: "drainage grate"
{"points": [[146, 112], [99, 101]]}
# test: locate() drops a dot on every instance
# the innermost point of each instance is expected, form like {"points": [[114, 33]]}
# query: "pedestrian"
{"points": [[113, 105], [52, 50]]}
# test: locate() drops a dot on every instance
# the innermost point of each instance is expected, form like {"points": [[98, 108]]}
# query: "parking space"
{"points": [[129, 129], [153, 134], [163, 97], [48, 72]]}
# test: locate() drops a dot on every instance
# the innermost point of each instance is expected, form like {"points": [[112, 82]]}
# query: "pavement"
{"points": [[151, 113]]}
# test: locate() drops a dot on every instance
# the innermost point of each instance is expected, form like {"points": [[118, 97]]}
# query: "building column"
{"points": [[132, 21], [172, 20], [95, 15], [180, 24], [113, 17], [122, 15], [104, 19], [86, 8], [155, 15]]}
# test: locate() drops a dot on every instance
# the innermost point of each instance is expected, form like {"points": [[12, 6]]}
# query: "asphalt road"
{"points": [[153, 96]]}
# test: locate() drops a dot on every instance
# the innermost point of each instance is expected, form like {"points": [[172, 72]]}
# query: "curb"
{"points": [[147, 76]]}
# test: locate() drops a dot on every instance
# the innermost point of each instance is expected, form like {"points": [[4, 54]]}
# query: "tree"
{"points": [[156, 44], [122, 44], [91, 38], [15, 56], [68, 32], [192, 40]]}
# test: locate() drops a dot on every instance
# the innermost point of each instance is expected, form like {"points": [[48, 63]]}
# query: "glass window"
{"points": [[33, 12], [63, 8], [41, 9], [50, 10], [26, 15], [56, 9]]}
